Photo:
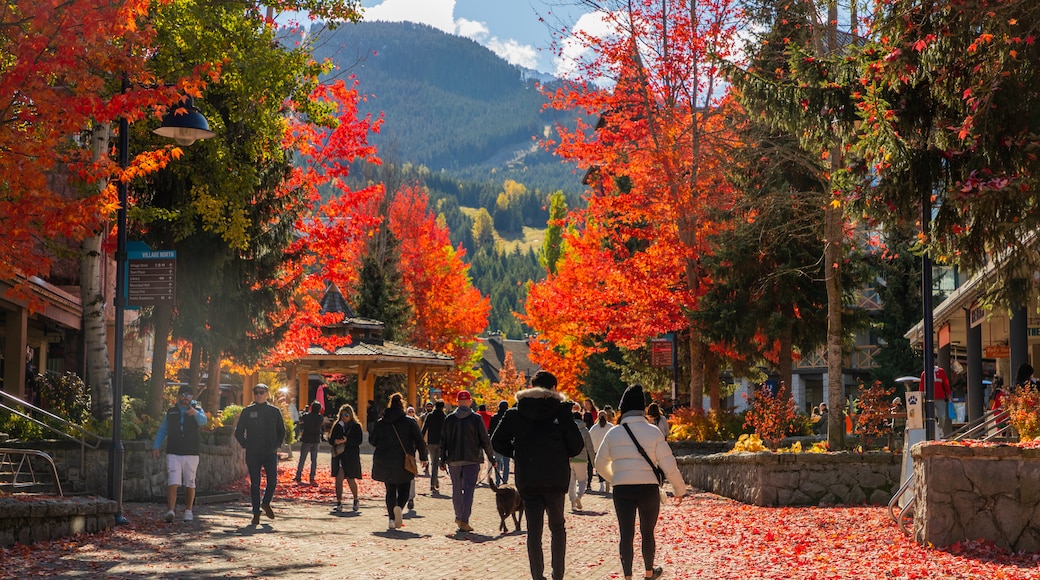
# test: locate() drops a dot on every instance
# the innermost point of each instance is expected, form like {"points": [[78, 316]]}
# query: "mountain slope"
{"points": [[449, 103]]}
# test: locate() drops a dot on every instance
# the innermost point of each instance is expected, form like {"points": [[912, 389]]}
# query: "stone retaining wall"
{"points": [[144, 478], [989, 493], [26, 522], [783, 479]]}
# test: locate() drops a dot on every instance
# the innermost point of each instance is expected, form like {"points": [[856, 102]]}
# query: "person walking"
{"points": [[501, 461], [629, 458], [309, 429], [463, 441], [261, 430], [346, 460], [395, 437], [580, 466], [596, 434], [541, 437], [657, 419], [432, 428], [180, 428]]}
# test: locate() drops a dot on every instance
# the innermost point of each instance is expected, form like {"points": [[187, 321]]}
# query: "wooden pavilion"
{"points": [[367, 356]]}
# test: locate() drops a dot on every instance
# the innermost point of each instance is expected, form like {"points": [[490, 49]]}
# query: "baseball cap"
{"points": [[260, 387], [465, 396], [185, 390]]}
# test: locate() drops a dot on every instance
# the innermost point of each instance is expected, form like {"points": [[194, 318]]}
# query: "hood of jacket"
{"points": [[393, 414], [538, 404]]}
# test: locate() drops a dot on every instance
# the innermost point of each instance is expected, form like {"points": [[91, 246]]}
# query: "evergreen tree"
{"points": [[380, 290]]}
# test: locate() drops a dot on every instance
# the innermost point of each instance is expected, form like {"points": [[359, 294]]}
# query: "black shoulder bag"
{"points": [[658, 472]]}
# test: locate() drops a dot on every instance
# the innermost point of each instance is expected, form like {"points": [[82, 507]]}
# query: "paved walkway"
{"points": [[306, 539]]}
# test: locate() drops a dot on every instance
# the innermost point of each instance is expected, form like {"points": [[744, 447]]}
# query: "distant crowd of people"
{"points": [[552, 446]]}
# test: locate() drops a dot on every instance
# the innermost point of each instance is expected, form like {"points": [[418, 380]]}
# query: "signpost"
{"points": [[151, 277], [661, 352]]}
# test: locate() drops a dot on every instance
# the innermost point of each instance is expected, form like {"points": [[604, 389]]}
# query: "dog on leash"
{"points": [[508, 502]]}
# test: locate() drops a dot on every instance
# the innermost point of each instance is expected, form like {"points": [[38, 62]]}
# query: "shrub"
{"points": [[65, 395], [688, 424], [1023, 409], [228, 415], [874, 406], [771, 415]]}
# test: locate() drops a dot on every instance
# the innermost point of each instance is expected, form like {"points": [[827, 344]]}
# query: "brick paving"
{"points": [[308, 540]]}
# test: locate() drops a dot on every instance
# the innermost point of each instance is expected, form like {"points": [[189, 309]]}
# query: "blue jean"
{"points": [[307, 449], [501, 469], [463, 484], [269, 463], [538, 503]]}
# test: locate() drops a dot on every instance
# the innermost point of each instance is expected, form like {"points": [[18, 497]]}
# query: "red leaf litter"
{"points": [[714, 537], [706, 537]]}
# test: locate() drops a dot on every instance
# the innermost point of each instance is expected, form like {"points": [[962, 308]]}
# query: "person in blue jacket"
{"points": [[180, 429]]}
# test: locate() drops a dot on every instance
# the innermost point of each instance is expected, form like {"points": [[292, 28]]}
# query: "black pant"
{"points": [[396, 496], [538, 503], [269, 464], [628, 500]]}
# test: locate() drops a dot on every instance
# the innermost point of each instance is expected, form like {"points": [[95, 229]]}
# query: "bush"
{"points": [[873, 409], [228, 415], [688, 424], [1023, 409], [66, 396], [771, 415]]}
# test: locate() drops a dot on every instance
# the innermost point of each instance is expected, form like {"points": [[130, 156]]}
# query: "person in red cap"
{"points": [[463, 440]]}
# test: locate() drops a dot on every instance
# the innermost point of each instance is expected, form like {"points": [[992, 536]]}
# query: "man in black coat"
{"points": [[309, 432], [261, 430], [541, 437], [464, 444], [433, 425]]}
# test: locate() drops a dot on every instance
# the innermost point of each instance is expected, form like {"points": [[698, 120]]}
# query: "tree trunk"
{"points": [[195, 367], [92, 297], [786, 360], [162, 318], [711, 377], [834, 219], [696, 370], [212, 398]]}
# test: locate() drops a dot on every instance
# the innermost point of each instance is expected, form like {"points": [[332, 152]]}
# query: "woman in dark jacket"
{"points": [[346, 465], [394, 436]]}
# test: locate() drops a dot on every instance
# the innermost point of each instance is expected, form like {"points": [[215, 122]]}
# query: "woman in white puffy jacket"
{"points": [[632, 476]]}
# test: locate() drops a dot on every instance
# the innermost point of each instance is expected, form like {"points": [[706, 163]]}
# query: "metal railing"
{"points": [[992, 425], [26, 410], [19, 462]]}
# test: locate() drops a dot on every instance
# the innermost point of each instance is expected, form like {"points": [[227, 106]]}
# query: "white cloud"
{"points": [[472, 29], [575, 49], [515, 53], [436, 13]]}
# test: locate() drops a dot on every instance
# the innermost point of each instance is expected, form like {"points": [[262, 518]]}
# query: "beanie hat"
{"points": [[632, 399]]}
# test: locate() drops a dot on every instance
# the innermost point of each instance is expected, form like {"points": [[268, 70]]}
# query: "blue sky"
{"points": [[510, 28]]}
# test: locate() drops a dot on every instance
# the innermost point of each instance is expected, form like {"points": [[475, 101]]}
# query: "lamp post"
{"points": [[185, 129]]}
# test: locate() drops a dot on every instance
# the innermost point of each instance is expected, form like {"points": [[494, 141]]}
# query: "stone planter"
{"points": [[990, 493], [783, 479]]}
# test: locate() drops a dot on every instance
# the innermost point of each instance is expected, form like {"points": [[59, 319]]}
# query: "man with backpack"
{"points": [[541, 437]]}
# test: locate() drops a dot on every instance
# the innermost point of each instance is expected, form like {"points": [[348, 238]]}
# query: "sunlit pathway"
{"points": [[706, 537]]}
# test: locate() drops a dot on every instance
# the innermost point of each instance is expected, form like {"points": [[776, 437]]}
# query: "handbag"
{"points": [[658, 472], [409, 459], [338, 450]]}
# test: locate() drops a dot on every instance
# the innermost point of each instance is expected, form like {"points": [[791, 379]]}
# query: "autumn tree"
{"points": [[446, 311], [633, 269], [948, 98]]}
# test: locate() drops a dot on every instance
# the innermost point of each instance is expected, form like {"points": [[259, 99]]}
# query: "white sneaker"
{"points": [[188, 516], [170, 515], [391, 526], [397, 517]]}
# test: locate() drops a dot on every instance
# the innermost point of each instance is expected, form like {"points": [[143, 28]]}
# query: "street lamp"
{"points": [[185, 129]]}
